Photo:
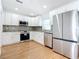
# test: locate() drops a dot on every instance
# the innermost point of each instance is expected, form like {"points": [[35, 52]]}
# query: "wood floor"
{"points": [[29, 50]]}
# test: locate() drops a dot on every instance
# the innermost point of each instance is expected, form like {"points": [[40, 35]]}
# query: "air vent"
{"points": [[19, 1]]}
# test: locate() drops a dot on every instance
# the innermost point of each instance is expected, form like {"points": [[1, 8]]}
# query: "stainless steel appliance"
{"points": [[24, 36], [65, 36], [78, 52], [48, 39], [23, 23]]}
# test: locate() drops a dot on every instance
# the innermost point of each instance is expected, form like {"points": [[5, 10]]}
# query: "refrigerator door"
{"points": [[69, 25], [57, 26], [58, 46]]}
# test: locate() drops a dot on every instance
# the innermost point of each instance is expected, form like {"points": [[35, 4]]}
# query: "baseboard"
{"points": [[37, 42], [49, 47], [61, 54], [15, 43]]}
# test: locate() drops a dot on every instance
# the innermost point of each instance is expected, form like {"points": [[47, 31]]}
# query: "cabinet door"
{"points": [[3, 18], [8, 19], [15, 37], [34, 22], [58, 46], [6, 38], [15, 19], [37, 36]]}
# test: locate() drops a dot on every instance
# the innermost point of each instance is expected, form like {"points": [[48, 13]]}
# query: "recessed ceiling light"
{"points": [[16, 8], [44, 6]]}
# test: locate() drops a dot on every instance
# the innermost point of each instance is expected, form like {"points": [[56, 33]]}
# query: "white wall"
{"points": [[0, 24], [71, 6]]}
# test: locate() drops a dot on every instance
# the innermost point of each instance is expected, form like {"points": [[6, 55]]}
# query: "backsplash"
{"points": [[15, 28]]}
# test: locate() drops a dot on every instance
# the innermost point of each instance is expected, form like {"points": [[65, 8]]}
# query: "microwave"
{"points": [[23, 23]]}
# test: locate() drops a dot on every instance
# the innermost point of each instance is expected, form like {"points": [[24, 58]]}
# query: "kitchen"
{"points": [[51, 28]]}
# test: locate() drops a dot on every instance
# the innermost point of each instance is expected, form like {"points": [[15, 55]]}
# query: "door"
{"points": [[57, 26], [69, 25], [58, 46]]}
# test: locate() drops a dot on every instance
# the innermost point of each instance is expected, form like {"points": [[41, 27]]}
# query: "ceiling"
{"points": [[32, 7]]}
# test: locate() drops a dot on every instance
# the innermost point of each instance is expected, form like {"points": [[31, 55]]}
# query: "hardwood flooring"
{"points": [[29, 50]]}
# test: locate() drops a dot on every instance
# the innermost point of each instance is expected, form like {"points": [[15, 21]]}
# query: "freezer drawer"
{"points": [[48, 40], [68, 49], [58, 46]]}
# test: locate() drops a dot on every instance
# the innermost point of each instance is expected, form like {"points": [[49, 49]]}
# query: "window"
{"points": [[46, 24]]}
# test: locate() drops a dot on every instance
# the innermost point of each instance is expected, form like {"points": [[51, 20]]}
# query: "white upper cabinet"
{"points": [[7, 18], [23, 18], [0, 6], [14, 19], [34, 21], [10, 19]]}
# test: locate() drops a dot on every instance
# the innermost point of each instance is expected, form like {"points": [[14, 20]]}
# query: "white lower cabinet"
{"points": [[16, 37], [6, 38], [10, 38], [37, 36]]}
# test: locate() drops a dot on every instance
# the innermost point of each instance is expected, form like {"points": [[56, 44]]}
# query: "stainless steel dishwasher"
{"points": [[78, 52], [48, 41]]}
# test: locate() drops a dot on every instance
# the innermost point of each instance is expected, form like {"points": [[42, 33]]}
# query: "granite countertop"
{"points": [[50, 32]]}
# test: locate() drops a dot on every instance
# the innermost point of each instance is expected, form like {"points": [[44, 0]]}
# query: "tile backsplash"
{"points": [[17, 28]]}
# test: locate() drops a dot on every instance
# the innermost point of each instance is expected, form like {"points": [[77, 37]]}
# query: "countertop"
{"points": [[77, 43], [50, 32]]}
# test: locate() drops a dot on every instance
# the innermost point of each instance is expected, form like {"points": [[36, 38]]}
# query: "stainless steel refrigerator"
{"points": [[65, 34]]}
